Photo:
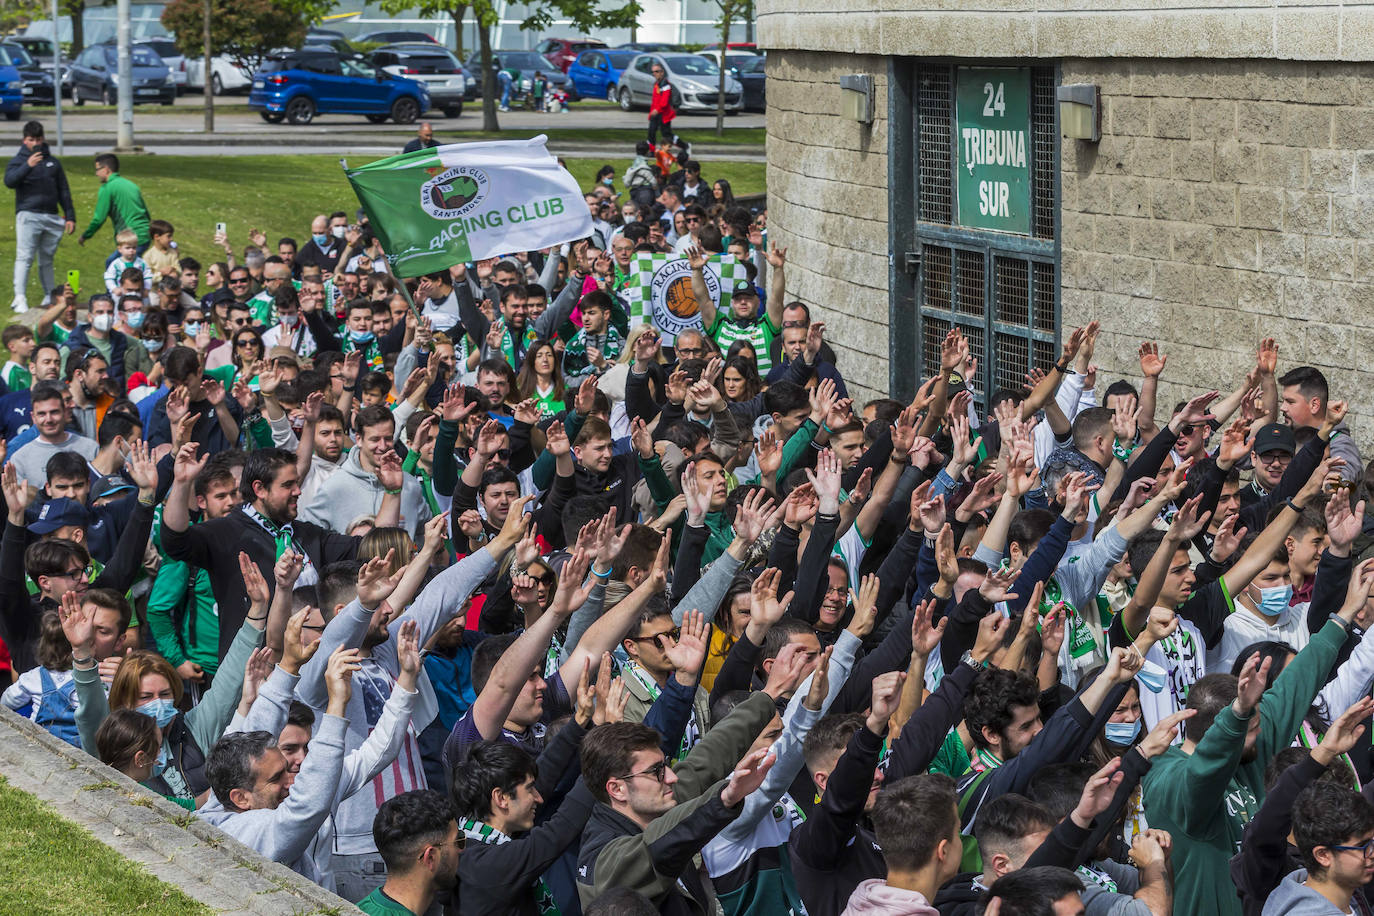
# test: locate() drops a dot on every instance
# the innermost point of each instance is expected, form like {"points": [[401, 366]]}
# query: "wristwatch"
{"points": [[967, 659]]}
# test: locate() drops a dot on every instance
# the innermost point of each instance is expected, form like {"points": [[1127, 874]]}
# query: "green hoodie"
{"points": [[122, 203], [1206, 798]]}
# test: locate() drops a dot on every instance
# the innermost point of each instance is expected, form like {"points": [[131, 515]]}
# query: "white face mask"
{"points": [[338, 232], [103, 321]]}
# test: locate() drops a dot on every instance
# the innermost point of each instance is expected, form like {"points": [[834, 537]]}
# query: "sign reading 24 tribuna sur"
{"points": [[994, 148]]}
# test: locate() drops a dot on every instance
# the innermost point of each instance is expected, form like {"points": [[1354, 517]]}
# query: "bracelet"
{"points": [[827, 430], [256, 619], [82, 661], [1292, 505], [602, 575], [148, 503], [1063, 368], [395, 492], [1341, 621]]}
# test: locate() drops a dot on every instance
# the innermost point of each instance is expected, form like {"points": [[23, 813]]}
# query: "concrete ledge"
{"points": [[1235, 29], [171, 843]]}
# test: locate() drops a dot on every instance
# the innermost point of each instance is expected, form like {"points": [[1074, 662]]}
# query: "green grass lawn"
{"points": [[279, 194], [53, 867]]}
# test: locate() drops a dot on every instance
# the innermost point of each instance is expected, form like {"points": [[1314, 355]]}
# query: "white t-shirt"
{"points": [[1181, 659]]}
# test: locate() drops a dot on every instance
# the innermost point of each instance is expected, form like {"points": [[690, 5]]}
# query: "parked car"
{"points": [[733, 46], [298, 85], [171, 55], [643, 46], [11, 92], [524, 64], [37, 82], [397, 36], [746, 67], [94, 76], [430, 64], [750, 72], [561, 52], [225, 75], [328, 38], [696, 77], [40, 49], [595, 73]]}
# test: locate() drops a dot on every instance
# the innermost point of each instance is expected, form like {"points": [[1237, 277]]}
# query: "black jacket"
{"points": [[119, 345], [214, 546], [21, 613], [42, 189]]}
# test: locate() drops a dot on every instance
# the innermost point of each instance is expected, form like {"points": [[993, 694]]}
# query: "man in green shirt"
{"points": [[418, 839], [1206, 790], [120, 201], [742, 320]]}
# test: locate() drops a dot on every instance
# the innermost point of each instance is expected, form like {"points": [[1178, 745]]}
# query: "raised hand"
{"points": [[1234, 443], [752, 515], [1342, 735], [1343, 524], [374, 584], [1267, 359], [1253, 677], [1122, 665], [489, 439], [688, 652], [787, 672], [295, 653], [17, 495], [254, 585], [953, 350], [641, 439], [338, 676], [1151, 360], [991, 630], [78, 625], [820, 681], [768, 451], [1159, 738], [1097, 793], [865, 602], [390, 473], [452, 406], [177, 403], [996, 585], [1187, 524], [747, 777], [826, 481], [887, 694], [185, 467], [256, 670], [212, 390], [408, 653], [925, 635]]}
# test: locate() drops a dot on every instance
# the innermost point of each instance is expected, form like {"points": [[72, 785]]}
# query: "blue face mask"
{"points": [[1122, 733], [192, 328], [361, 337], [160, 763], [134, 319], [322, 239], [161, 711], [152, 346], [1274, 601]]}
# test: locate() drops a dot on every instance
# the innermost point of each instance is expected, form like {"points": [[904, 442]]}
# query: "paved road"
{"points": [[180, 128]]}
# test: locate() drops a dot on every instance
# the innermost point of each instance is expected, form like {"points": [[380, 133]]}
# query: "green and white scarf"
{"points": [[478, 832], [692, 733], [508, 342]]}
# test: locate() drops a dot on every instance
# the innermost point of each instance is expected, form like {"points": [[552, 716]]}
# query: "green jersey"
{"points": [[760, 333]]}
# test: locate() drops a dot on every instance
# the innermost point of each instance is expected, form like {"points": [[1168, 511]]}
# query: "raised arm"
{"points": [[705, 304]]}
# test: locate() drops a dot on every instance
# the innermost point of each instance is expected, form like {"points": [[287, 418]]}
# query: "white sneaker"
{"points": [[20, 306]]}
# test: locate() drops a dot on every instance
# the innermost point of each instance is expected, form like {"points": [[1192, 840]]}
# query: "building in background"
{"points": [[1225, 199], [672, 21]]}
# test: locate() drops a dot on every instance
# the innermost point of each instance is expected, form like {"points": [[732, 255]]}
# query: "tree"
{"points": [[15, 14], [245, 31], [582, 16], [434, 9], [730, 10]]}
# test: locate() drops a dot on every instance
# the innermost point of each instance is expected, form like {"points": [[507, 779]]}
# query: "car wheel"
{"points": [[216, 85], [11, 116], [376, 119], [610, 93], [271, 117], [625, 98], [453, 111], [405, 110], [300, 110], [573, 94], [108, 96], [77, 100]]}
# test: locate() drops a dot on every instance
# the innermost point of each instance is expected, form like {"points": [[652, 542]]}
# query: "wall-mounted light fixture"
{"points": [[856, 97], [1080, 112]]}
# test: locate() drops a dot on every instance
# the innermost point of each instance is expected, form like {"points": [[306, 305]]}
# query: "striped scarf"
{"points": [[478, 832]]}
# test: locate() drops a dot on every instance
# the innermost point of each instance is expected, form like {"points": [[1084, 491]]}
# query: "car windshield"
{"points": [[620, 60], [163, 48], [138, 57], [746, 63], [40, 45], [524, 60], [441, 60], [692, 65], [357, 68], [16, 56]]}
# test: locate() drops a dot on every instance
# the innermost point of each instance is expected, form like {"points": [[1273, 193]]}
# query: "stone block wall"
{"points": [[827, 204], [1227, 201]]}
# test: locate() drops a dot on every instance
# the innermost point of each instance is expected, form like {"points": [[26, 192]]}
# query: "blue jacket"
{"points": [[118, 346]]}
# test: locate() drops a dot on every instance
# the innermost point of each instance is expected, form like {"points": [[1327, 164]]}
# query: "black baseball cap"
{"points": [[744, 288], [1276, 437]]}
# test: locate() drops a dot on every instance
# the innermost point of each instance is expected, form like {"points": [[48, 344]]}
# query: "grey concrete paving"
{"points": [[165, 839]]}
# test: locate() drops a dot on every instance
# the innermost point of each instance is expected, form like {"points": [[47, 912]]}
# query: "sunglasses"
{"points": [[544, 579], [660, 769], [247, 342], [657, 638], [242, 281]]}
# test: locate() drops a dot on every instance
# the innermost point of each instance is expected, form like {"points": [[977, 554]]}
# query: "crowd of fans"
{"points": [[505, 603]]}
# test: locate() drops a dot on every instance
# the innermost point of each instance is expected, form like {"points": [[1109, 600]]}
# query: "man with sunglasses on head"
{"points": [[656, 656]]}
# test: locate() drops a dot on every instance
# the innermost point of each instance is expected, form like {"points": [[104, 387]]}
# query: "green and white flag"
{"points": [[659, 290], [438, 207]]}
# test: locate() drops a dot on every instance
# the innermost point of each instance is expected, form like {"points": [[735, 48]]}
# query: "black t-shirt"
{"points": [[311, 255]]}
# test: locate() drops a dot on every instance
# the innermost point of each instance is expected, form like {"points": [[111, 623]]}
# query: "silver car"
{"points": [[696, 77]]}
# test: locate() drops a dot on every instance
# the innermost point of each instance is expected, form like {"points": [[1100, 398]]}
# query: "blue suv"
{"points": [[595, 73], [11, 93], [298, 85]]}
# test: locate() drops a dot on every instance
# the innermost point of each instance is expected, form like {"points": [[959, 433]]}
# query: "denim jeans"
{"points": [[357, 876], [35, 234], [505, 80]]}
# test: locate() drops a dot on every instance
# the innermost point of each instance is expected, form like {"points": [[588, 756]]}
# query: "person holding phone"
{"points": [[40, 192]]}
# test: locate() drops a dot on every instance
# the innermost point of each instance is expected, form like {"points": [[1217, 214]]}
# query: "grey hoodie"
{"points": [[283, 833], [350, 493], [1293, 898]]}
